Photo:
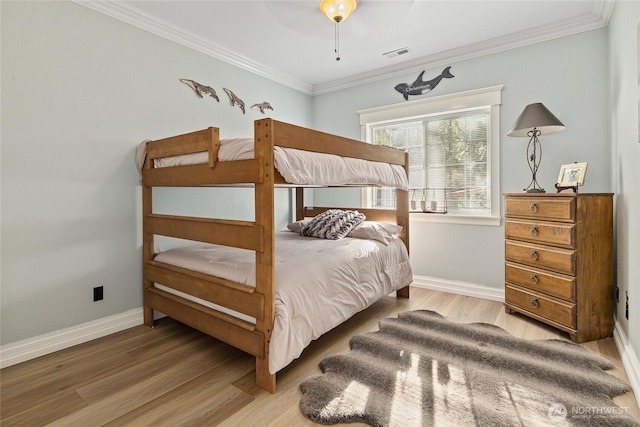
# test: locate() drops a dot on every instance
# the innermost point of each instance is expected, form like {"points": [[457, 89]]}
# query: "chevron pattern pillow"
{"points": [[332, 224]]}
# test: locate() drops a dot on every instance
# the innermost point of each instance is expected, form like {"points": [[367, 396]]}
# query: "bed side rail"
{"points": [[236, 332], [381, 215], [226, 293], [292, 136]]}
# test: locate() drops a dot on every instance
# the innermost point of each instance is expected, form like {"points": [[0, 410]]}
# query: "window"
{"points": [[448, 160], [452, 141]]}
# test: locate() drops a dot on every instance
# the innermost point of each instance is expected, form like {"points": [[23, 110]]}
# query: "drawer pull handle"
{"points": [[534, 230], [533, 208], [534, 279], [535, 303], [534, 255]]}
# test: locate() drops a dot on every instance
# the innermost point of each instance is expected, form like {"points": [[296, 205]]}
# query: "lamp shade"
{"points": [[338, 10], [536, 116]]}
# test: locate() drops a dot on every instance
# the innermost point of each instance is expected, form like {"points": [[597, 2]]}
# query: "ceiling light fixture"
{"points": [[337, 11]]}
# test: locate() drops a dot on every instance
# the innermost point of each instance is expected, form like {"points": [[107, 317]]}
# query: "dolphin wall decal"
{"points": [[420, 87]]}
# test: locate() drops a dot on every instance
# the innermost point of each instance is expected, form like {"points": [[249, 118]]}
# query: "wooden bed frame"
{"points": [[257, 235]]}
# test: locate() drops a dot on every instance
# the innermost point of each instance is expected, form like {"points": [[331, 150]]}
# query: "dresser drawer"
{"points": [[541, 305], [539, 280], [555, 209], [551, 233], [545, 257]]}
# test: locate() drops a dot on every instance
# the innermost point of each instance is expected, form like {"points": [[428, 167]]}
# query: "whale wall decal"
{"points": [[234, 99], [261, 107], [420, 87], [202, 90]]}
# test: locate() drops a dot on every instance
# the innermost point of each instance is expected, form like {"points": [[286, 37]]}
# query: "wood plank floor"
{"points": [[173, 375]]}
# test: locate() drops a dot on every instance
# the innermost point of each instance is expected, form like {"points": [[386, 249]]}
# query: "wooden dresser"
{"points": [[559, 261]]}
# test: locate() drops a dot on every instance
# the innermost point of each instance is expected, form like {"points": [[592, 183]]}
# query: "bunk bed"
{"points": [[242, 314]]}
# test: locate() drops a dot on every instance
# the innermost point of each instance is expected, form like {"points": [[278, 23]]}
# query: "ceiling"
{"points": [[292, 42]]}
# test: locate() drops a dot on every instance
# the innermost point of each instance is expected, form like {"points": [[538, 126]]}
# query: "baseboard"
{"points": [[41, 345], [21, 351], [30, 348], [459, 288], [629, 359]]}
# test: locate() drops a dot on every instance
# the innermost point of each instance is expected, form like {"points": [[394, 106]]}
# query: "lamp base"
{"points": [[533, 158]]}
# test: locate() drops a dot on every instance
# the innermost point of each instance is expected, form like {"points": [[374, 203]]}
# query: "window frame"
{"points": [[456, 102]]}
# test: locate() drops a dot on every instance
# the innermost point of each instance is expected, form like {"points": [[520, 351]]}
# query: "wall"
{"points": [[624, 36], [569, 75], [79, 93], [80, 90]]}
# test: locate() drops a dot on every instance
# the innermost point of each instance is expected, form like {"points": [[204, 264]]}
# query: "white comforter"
{"points": [[319, 283], [298, 166]]}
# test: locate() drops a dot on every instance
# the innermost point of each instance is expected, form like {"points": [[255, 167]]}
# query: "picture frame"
{"points": [[572, 174]]}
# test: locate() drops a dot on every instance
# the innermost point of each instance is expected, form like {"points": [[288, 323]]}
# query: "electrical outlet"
{"points": [[98, 293], [626, 305]]}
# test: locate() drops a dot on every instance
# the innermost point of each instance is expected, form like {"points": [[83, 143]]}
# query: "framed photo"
{"points": [[572, 175]]}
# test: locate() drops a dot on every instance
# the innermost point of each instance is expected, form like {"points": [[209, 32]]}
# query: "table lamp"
{"points": [[534, 121]]}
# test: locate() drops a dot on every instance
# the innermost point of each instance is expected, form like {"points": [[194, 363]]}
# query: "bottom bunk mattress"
{"points": [[320, 283]]}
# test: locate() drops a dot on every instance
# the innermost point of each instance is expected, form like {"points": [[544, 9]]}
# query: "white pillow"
{"points": [[297, 226], [381, 231]]}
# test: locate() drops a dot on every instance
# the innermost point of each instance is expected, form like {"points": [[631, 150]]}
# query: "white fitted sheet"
{"points": [[299, 166], [319, 283]]}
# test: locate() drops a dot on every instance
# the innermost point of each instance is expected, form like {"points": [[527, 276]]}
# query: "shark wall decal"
{"points": [[420, 87]]}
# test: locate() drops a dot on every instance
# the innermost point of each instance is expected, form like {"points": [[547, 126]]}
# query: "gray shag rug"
{"points": [[423, 370]]}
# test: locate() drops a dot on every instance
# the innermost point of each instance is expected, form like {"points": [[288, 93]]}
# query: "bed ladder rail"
{"points": [[234, 233], [234, 172]]}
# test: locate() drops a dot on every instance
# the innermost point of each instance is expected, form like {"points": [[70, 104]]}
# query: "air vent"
{"points": [[397, 52]]}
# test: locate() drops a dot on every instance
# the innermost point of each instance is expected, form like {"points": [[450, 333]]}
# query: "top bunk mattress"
{"points": [[296, 166]]}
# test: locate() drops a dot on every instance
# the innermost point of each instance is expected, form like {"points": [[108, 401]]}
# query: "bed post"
{"points": [[147, 245], [265, 260], [299, 203], [402, 219]]}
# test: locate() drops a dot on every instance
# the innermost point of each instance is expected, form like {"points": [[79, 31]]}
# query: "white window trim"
{"points": [[490, 97]]}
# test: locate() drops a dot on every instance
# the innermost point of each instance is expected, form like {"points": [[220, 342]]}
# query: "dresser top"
{"points": [[569, 194]]}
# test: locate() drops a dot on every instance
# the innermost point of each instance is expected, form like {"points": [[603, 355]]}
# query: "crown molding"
{"points": [[131, 15], [598, 18]]}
